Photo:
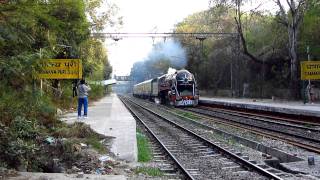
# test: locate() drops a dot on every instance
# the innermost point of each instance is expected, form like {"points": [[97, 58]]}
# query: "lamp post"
{"points": [[201, 39]]}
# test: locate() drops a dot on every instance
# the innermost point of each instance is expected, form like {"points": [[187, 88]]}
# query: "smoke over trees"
{"points": [[163, 55]]}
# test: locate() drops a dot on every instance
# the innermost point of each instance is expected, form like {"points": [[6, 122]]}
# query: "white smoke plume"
{"points": [[171, 70], [171, 50], [162, 59]]}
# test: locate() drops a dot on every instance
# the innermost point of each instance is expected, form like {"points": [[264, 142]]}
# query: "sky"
{"points": [[148, 16]]}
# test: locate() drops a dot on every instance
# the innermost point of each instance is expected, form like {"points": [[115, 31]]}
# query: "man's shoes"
{"points": [[85, 117], [79, 118]]}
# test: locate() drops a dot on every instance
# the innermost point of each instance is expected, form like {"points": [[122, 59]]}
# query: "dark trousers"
{"points": [[83, 101]]}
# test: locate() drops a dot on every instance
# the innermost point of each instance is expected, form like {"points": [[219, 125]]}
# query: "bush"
{"points": [[97, 92], [26, 105], [76, 130], [24, 129], [17, 148]]}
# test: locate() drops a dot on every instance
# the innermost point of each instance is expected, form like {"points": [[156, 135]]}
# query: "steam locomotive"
{"points": [[177, 89]]}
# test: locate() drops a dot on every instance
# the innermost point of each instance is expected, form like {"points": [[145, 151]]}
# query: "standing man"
{"points": [[83, 90]]}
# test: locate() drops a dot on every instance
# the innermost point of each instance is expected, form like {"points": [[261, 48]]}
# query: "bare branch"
{"points": [[282, 11], [255, 9], [290, 4], [302, 6], [244, 43]]}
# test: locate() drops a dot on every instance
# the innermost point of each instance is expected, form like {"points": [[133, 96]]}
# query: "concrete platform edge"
{"points": [[263, 108]]}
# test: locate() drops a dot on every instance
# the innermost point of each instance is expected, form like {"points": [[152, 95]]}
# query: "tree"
{"points": [[99, 20], [292, 20], [309, 35], [95, 61]]}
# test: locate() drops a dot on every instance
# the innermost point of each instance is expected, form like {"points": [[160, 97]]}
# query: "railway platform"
{"points": [[110, 117], [266, 105]]}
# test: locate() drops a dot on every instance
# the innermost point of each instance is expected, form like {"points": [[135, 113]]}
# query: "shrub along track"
{"points": [[198, 157], [304, 137]]}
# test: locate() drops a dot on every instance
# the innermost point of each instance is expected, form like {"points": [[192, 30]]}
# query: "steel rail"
{"points": [[184, 170], [267, 114], [257, 132], [266, 134], [221, 149], [264, 128], [259, 117]]}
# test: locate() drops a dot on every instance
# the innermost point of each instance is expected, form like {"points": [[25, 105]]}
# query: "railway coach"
{"points": [[177, 89]]}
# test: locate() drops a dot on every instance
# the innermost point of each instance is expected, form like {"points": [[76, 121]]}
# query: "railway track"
{"points": [[198, 157], [161, 159], [297, 135], [301, 136], [290, 121], [294, 117]]}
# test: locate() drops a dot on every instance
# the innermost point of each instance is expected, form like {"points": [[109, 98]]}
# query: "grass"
{"points": [[188, 115], [83, 133], [151, 171], [144, 152], [94, 141]]}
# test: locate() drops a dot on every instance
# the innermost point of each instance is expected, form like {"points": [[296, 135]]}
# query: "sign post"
{"points": [[308, 52], [310, 70], [60, 69]]}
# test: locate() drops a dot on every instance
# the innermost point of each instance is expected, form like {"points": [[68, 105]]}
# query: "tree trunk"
{"points": [[293, 34]]}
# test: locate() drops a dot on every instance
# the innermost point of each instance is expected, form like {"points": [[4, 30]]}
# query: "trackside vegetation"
{"points": [[150, 171], [29, 124], [144, 151]]}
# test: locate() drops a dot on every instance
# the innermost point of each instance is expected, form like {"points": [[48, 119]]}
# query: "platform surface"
{"points": [[110, 117], [288, 107], [303, 167]]}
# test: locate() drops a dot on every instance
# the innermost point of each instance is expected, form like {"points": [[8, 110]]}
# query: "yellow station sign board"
{"points": [[310, 70], [60, 69]]}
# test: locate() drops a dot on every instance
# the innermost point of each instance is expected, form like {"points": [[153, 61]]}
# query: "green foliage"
{"points": [[151, 171], [82, 133], [144, 152], [97, 91], [16, 145], [188, 115], [110, 17], [76, 130], [31, 106], [96, 64], [23, 128], [28, 28], [95, 142], [265, 38], [310, 35], [210, 62]]}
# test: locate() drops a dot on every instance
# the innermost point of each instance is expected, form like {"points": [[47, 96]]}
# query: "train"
{"points": [[177, 89]]}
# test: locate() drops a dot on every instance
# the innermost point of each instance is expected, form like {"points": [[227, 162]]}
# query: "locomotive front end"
{"points": [[184, 91]]}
